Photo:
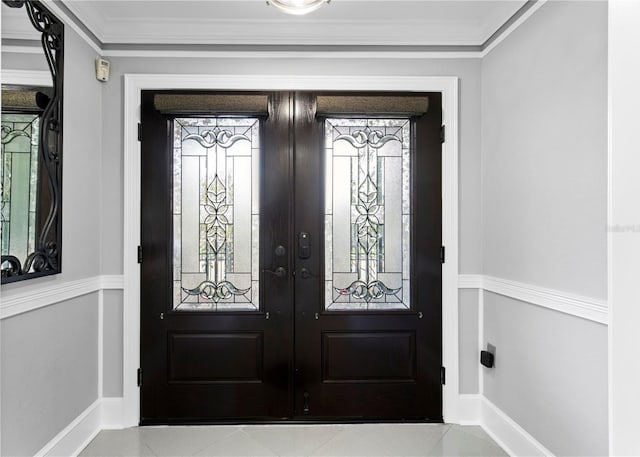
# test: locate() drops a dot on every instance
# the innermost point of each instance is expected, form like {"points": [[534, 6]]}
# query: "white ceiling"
{"points": [[253, 22]]}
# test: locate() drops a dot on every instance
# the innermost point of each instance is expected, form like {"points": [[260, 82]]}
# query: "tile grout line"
{"points": [[485, 437], [317, 448], [217, 440], [315, 451], [449, 426]]}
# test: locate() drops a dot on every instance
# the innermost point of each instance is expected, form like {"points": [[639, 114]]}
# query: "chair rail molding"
{"points": [[575, 305], [33, 297]]}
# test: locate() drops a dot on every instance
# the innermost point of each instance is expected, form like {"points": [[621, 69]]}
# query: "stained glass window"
{"points": [[216, 214], [367, 214], [18, 183]]}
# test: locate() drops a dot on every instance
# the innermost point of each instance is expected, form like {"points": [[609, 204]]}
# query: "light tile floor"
{"points": [[296, 440]]}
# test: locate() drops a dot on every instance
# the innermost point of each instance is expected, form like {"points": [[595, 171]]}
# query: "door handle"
{"points": [[279, 272], [305, 274]]}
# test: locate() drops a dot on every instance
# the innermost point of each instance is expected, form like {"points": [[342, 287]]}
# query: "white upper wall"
{"points": [[544, 143]]}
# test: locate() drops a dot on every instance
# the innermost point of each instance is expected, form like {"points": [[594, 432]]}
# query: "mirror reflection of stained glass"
{"points": [[216, 214], [367, 214], [19, 183]]}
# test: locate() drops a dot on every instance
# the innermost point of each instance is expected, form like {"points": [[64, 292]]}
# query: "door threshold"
{"points": [[287, 421]]}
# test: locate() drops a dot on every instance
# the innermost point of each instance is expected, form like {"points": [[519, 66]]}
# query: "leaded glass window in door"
{"points": [[216, 214], [367, 214]]}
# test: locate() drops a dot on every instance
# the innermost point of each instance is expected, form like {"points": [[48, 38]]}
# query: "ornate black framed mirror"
{"points": [[31, 223]]}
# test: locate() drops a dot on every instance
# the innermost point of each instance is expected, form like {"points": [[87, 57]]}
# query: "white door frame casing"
{"points": [[135, 83]]}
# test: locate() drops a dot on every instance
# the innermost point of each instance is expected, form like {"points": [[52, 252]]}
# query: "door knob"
{"points": [[279, 272]]}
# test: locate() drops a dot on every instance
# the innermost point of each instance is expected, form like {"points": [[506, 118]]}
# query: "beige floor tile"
{"points": [[118, 443], [183, 441], [294, 440], [239, 444], [384, 440], [457, 442]]}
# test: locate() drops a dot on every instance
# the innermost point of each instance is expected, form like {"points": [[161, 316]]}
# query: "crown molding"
{"points": [[90, 28], [352, 32], [515, 21]]}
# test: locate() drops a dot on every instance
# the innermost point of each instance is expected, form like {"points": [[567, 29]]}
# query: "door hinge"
{"points": [[441, 254], [442, 133], [443, 377], [139, 254], [139, 131], [139, 377]]}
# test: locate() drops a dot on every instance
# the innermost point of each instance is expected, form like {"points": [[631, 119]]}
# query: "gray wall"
{"points": [[112, 339], [544, 144], [49, 356], [16, 61], [544, 162], [49, 372], [550, 374], [468, 350]]}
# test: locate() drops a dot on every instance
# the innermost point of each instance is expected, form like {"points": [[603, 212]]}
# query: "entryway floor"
{"points": [[296, 440]]}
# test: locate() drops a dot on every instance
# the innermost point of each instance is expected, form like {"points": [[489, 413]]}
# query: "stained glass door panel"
{"points": [[216, 214], [367, 214]]}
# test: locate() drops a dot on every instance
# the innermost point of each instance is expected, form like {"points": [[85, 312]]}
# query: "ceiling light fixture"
{"points": [[298, 7]]}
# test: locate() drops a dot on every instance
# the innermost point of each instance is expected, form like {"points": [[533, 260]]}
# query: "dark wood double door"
{"points": [[291, 257]]}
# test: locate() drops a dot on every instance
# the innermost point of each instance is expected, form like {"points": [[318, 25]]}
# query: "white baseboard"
{"points": [[76, 435], [105, 413], [112, 413], [511, 437], [508, 434], [469, 409]]}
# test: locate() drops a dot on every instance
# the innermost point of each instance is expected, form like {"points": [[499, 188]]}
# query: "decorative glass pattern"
{"points": [[367, 214], [216, 214], [18, 183]]}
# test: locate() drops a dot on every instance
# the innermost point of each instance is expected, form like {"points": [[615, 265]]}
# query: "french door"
{"points": [[290, 257]]}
